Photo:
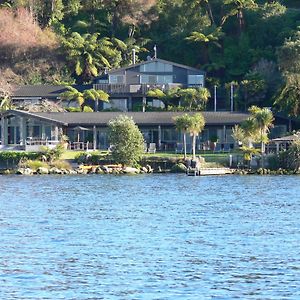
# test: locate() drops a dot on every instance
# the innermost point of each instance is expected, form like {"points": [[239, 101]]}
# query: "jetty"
{"points": [[209, 171]]}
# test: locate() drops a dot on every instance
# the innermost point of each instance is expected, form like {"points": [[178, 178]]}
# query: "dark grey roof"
{"points": [[154, 60], [288, 138], [43, 91], [147, 118]]}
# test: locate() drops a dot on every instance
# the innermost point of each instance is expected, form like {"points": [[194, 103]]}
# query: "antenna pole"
{"points": [[215, 98], [133, 56], [231, 97]]}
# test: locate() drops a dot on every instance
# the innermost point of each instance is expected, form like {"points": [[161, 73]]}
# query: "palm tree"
{"points": [[183, 123], [96, 95], [263, 119], [289, 98], [194, 99], [6, 103], [209, 37], [168, 97], [89, 54], [197, 124], [5, 97], [237, 8], [72, 94]]}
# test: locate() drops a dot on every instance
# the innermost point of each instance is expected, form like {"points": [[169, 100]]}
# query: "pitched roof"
{"points": [[288, 138], [144, 119], [155, 60], [43, 91]]}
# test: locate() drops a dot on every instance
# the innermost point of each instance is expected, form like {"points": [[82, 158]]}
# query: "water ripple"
{"points": [[149, 237]]}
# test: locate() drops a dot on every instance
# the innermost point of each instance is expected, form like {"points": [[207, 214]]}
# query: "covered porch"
{"points": [[89, 131], [282, 143], [21, 132]]}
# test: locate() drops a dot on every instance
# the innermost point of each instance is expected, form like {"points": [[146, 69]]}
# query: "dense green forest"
{"points": [[253, 44]]}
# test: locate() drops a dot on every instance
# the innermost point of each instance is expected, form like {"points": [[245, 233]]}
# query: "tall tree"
{"points": [[288, 99], [5, 96], [72, 94], [237, 8], [263, 119], [168, 97], [194, 98], [196, 126], [209, 37], [183, 123], [89, 55]]}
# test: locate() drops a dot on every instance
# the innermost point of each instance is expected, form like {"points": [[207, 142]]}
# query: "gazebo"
{"points": [[282, 143]]}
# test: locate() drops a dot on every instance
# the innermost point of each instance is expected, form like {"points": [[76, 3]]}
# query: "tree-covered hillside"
{"points": [[253, 44]]}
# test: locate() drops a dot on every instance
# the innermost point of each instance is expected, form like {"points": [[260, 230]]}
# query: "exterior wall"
{"points": [[21, 131], [179, 74]]}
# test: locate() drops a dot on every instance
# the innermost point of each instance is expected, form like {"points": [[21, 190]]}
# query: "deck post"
{"points": [[56, 133], [3, 131], [144, 104], [94, 138], [22, 131], [129, 103], [159, 136], [277, 148], [224, 134]]}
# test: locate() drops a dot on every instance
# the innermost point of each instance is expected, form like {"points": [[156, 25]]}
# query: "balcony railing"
{"points": [[138, 89]]}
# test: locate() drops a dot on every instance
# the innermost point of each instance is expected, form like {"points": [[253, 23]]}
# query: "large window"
{"points": [[156, 67], [156, 79], [196, 80], [169, 135], [116, 79]]}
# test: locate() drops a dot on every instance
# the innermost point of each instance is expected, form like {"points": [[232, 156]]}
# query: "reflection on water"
{"points": [[149, 237]]}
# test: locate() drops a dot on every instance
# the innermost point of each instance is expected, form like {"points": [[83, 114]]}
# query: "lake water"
{"points": [[149, 237]]}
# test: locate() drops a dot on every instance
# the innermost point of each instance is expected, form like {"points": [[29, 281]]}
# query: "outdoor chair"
{"points": [[152, 148], [218, 147], [227, 147], [145, 147], [110, 148]]}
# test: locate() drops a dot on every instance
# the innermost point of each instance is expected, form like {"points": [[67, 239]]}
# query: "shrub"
{"points": [[16, 156], [73, 109], [179, 168], [53, 154], [34, 164], [90, 158], [87, 109], [61, 164], [127, 141], [290, 159], [274, 161]]}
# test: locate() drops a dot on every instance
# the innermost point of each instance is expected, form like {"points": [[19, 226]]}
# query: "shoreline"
{"points": [[118, 170]]}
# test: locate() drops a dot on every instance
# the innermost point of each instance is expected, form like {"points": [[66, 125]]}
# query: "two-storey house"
{"points": [[128, 86]]}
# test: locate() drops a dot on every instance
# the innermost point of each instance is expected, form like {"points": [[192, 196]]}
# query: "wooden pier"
{"points": [[209, 171]]}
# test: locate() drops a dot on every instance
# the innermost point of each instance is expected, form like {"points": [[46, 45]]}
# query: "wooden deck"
{"points": [[209, 171]]}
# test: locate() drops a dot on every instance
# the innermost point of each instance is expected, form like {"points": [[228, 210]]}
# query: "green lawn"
{"points": [[210, 158], [70, 154]]}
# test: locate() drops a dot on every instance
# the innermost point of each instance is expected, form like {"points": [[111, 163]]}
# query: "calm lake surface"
{"points": [[149, 237]]}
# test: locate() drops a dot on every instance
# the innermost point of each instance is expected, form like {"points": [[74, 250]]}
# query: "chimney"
{"points": [[133, 56], [155, 52]]}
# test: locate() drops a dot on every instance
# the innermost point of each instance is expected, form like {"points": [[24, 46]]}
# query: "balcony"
{"points": [[133, 89]]}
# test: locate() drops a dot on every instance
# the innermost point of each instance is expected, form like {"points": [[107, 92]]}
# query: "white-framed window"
{"points": [[102, 81], [163, 79], [156, 66], [116, 78], [196, 80], [156, 79]]}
